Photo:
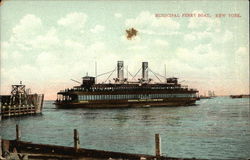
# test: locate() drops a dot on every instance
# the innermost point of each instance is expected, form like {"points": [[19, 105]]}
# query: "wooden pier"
{"points": [[22, 150], [20, 102]]}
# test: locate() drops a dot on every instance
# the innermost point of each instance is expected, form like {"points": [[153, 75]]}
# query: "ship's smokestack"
{"points": [[145, 71], [120, 71]]}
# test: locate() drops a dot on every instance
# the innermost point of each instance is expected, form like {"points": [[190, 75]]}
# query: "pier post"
{"points": [[1, 147], [157, 145], [76, 140], [18, 133]]}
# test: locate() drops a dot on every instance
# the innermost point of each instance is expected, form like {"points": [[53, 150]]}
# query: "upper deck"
{"points": [[123, 85]]}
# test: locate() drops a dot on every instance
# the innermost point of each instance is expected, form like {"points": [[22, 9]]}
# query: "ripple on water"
{"points": [[216, 128]]}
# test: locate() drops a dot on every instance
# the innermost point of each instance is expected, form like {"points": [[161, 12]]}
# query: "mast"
{"points": [[95, 72]]}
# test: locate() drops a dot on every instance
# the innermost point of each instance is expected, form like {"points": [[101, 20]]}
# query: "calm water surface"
{"points": [[216, 128]]}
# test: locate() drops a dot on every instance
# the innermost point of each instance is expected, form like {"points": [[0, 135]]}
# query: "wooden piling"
{"points": [[1, 148], [18, 133], [76, 140], [157, 145]]}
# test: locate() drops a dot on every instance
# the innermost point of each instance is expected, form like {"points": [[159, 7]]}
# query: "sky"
{"points": [[46, 43]]}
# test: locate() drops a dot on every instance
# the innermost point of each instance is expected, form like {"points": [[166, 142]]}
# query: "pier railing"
{"points": [[44, 151]]}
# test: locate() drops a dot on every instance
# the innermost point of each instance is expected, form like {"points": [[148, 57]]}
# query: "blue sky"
{"points": [[46, 43]]}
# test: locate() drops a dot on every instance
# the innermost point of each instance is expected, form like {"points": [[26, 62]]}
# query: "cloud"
{"points": [[242, 52], [198, 35], [206, 23], [147, 23], [215, 36], [241, 69], [46, 40], [29, 27], [74, 45], [228, 35], [137, 47], [160, 42], [242, 59], [75, 20], [201, 56], [118, 15], [97, 29]]}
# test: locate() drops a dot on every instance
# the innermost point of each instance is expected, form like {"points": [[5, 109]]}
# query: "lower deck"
{"points": [[127, 103]]}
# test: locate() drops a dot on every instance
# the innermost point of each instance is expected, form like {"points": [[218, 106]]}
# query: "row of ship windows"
{"points": [[131, 96]]}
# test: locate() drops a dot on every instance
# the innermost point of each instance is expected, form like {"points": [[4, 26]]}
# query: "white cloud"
{"points": [[46, 59], [26, 30], [4, 51], [201, 56], [199, 35], [216, 36], [160, 42], [96, 48], [47, 40], [206, 23], [75, 20], [97, 29], [189, 37], [137, 47], [118, 15], [228, 35], [74, 45], [29, 25], [242, 52], [241, 68]]}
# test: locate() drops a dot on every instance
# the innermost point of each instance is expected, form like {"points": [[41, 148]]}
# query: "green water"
{"points": [[216, 128]]}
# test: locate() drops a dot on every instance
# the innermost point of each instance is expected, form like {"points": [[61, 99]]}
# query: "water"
{"points": [[216, 128]]}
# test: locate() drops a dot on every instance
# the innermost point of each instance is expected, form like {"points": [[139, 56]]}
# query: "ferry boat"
{"points": [[125, 93], [20, 102], [240, 96]]}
